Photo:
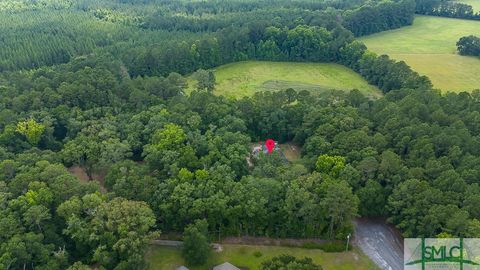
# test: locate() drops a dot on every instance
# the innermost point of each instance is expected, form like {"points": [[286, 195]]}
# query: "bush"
{"points": [[289, 262], [257, 254], [469, 45], [327, 247]]}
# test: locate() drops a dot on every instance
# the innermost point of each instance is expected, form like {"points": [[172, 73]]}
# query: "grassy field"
{"points": [[292, 152], [428, 46], [245, 78], [167, 258]]}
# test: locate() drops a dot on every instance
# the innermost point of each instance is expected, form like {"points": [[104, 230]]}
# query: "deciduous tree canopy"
{"points": [[99, 87]]}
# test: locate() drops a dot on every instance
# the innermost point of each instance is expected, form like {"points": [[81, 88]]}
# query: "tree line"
{"points": [[374, 17], [302, 43], [125, 30], [446, 8]]}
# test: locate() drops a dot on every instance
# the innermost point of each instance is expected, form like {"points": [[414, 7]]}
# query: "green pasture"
{"points": [[429, 47], [245, 78], [168, 258]]}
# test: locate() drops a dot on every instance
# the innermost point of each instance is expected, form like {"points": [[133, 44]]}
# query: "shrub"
{"points": [[327, 247], [257, 254], [289, 262]]}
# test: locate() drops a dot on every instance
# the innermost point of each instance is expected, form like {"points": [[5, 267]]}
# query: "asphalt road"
{"points": [[381, 242]]}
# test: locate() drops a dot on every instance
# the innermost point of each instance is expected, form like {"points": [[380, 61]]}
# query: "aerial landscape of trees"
{"points": [[103, 86]]}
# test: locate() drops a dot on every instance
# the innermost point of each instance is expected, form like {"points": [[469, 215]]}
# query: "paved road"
{"points": [[381, 242]]}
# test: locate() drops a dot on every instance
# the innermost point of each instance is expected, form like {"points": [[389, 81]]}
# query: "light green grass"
{"points": [[167, 258], [429, 47], [245, 78]]}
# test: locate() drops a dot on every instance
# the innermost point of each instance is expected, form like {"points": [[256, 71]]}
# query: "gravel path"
{"points": [[168, 243]]}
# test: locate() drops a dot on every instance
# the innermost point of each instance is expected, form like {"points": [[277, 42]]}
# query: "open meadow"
{"points": [[168, 258], [245, 78], [429, 47]]}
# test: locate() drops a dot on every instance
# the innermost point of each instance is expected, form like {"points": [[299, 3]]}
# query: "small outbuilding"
{"points": [[181, 268], [226, 266]]}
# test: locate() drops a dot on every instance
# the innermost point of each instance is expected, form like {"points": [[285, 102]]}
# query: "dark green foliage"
{"points": [[469, 45], [379, 16], [390, 75], [97, 85], [205, 80], [289, 262], [372, 199], [196, 247], [387, 74], [446, 8], [257, 254], [231, 33], [333, 246]]}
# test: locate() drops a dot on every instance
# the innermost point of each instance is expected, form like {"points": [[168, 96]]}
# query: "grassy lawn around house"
{"points": [[168, 258]]}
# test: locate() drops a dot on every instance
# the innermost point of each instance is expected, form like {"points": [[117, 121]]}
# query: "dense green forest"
{"points": [[100, 85]]}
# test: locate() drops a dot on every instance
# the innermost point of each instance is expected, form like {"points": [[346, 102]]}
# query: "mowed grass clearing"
{"points": [[292, 152], [168, 258], [429, 47], [245, 78]]}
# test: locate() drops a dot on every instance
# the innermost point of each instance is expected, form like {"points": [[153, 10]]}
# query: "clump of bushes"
{"points": [[327, 247], [257, 254]]}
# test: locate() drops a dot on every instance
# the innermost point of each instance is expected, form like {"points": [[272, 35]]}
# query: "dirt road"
{"points": [[381, 242]]}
